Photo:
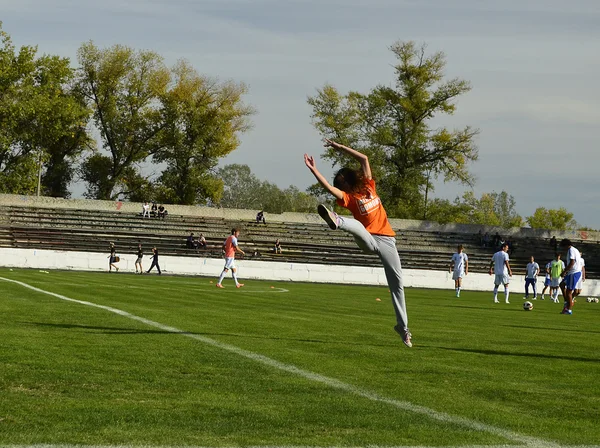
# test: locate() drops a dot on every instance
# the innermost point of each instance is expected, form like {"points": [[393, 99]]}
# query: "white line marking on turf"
{"points": [[331, 382]]}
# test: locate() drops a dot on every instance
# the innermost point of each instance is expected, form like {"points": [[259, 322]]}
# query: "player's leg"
{"points": [[222, 276], [497, 282], [235, 279], [506, 290], [458, 284], [363, 239], [388, 253]]}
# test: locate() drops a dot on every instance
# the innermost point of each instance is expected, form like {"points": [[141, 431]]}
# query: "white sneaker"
{"points": [[496, 301], [507, 302]]}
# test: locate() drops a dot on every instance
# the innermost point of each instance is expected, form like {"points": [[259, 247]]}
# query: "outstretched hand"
{"points": [[330, 143], [310, 162]]}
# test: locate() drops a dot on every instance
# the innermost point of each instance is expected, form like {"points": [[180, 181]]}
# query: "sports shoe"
{"points": [[507, 302], [566, 311], [218, 285], [239, 285], [331, 218], [405, 335], [496, 301]]}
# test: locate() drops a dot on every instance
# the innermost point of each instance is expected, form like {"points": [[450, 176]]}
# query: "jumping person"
{"points": [[154, 261], [355, 190], [460, 265], [230, 247], [138, 260], [503, 272]]}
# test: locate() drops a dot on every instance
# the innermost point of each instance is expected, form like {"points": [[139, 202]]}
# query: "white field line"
{"points": [[331, 382]]}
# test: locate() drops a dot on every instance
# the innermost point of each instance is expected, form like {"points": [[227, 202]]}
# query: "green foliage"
{"points": [[41, 121], [492, 209], [202, 122], [242, 189], [552, 219], [123, 87], [392, 126]]}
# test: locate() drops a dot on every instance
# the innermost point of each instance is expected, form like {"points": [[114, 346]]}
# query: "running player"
{"points": [[355, 190], [230, 246], [501, 268], [459, 266]]}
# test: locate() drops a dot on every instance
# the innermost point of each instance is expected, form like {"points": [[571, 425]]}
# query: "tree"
{"points": [[392, 125], [203, 121], [243, 190], [492, 209], [41, 121], [552, 219], [124, 88]]}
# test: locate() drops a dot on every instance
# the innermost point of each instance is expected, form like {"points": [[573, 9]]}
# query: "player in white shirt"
{"points": [[548, 279], [571, 274], [579, 285], [501, 268], [531, 273], [459, 266]]}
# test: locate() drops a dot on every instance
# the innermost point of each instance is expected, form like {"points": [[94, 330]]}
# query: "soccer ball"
{"points": [[527, 306], [590, 299]]}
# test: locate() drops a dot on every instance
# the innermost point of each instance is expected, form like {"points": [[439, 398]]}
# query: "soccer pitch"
{"points": [[98, 359]]}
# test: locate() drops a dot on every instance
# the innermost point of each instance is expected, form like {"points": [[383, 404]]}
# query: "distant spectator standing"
{"points": [[532, 271], [154, 261], [138, 260], [486, 240], [459, 266], [113, 258], [277, 248], [145, 210], [554, 244], [260, 217]]}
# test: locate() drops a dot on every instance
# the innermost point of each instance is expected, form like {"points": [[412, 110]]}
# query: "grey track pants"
{"points": [[385, 248]]}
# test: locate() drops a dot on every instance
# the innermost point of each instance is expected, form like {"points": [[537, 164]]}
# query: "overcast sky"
{"points": [[534, 66]]}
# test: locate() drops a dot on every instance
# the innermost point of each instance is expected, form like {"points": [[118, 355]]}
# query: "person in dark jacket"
{"points": [[154, 261]]}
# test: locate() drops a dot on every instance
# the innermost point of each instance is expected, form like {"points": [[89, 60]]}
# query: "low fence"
{"points": [[261, 270]]}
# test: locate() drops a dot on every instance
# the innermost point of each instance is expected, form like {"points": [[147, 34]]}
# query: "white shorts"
{"points": [[579, 284], [229, 263], [555, 282], [458, 274], [501, 280]]}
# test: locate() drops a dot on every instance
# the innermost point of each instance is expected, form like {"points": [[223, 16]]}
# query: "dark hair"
{"points": [[234, 230], [348, 178], [565, 243], [460, 247]]}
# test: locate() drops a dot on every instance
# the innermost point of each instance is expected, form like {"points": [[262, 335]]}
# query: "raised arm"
{"points": [[310, 163], [363, 159]]}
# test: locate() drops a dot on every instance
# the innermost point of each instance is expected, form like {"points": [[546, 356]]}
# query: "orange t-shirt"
{"points": [[230, 244], [368, 210]]}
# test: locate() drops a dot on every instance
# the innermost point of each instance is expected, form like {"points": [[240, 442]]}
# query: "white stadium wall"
{"points": [[259, 270]]}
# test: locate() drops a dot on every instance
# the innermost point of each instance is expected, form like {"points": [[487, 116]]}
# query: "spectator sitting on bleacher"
{"points": [[201, 242], [260, 217], [277, 248], [191, 244], [154, 210], [161, 211], [145, 210], [112, 258]]}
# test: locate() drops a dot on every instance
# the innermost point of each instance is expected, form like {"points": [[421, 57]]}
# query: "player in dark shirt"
{"points": [[138, 261], [154, 261]]}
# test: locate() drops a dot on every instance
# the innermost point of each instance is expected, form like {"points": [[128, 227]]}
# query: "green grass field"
{"points": [[280, 364]]}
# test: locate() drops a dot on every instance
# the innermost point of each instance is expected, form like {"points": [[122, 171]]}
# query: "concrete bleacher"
{"points": [[303, 242]]}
